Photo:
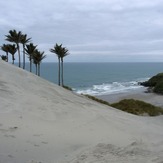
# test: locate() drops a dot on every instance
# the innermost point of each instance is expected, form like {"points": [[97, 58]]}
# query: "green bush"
{"points": [[152, 82], [159, 88], [132, 106], [67, 87], [138, 107], [155, 83], [97, 100]]}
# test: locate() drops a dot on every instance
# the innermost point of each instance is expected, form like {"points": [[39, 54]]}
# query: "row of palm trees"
{"points": [[18, 38], [9, 48], [35, 56], [61, 52]]}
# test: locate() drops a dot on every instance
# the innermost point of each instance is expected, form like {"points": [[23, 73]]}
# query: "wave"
{"points": [[111, 88]]}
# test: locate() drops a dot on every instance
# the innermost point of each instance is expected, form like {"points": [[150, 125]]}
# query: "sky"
{"points": [[92, 30]]}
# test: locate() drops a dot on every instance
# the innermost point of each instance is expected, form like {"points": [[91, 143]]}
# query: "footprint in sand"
{"points": [[35, 161], [37, 135], [9, 136], [10, 129], [44, 142]]}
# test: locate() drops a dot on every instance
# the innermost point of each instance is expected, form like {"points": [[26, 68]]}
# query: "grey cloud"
{"points": [[114, 27]]}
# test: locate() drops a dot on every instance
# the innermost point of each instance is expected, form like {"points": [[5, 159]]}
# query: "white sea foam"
{"points": [[111, 88]]}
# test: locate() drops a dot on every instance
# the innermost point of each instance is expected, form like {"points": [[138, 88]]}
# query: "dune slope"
{"points": [[43, 123]]}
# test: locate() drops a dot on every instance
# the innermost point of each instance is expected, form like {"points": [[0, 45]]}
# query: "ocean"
{"points": [[101, 78]]}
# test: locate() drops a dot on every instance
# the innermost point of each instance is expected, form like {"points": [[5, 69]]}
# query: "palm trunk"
{"points": [[13, 59], [23, 56], [36, 69], [19, 54], [59, 72], [62, 71], [39, 69], [7, 56], [30, 64]]}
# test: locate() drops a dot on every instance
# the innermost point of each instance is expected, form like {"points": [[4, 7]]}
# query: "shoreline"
{"points": [[138, 94]]}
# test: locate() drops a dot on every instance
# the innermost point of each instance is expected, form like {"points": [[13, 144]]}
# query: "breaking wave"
{"points": [[111, 88]]}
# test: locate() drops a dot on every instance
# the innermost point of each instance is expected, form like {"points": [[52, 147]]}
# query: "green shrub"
{"points": [[67, 87], [138, 107], [97, 100], [132, 106], [155, 83], [159, 88], [152, 82]]}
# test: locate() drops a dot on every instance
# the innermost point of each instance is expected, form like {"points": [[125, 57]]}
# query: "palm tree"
{"points": [[5, 48], [15, 37], [30, 49], [24, 40], [62, 55], [37, 58], [34, 57], [12, 51], [57, 51]]}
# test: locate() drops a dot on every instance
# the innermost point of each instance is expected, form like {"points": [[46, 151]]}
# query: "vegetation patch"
{"points": [[155, 83], [132, 106], [138, 107], [159, 87], [97, 100], [67, 87]]}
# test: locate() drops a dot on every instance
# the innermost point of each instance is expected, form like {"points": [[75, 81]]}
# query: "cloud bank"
{"points": [[94, 30]]}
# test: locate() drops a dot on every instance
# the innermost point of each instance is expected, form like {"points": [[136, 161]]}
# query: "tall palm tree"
{"points": [[12, 51], [34, 57], [64, 52], [29, 50], [57, 51], [24, 40], [5, 48], [15, 37], [37, 58]]}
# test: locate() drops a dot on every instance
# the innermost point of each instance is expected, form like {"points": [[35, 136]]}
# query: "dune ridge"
{"points": [[41, 122]]}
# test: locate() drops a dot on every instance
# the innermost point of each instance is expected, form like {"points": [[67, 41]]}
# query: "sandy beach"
{"points": [[41, 122], [138, 94]]}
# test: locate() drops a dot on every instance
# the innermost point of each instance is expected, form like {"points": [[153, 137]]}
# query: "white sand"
{"points": [[43, 123]]}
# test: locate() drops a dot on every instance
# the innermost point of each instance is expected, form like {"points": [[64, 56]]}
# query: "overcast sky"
{"points": [[92, 30]]}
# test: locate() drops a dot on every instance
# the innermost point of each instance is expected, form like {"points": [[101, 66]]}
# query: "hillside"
{"points": [[43, 123]]}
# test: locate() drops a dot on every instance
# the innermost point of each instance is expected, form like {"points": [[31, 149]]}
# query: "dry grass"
{"points": [[132, 106], [138, 107]]}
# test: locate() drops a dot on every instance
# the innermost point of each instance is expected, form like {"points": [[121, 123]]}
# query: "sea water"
{"points": [[101, 78]]}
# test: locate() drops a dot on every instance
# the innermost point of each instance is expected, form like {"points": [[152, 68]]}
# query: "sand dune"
{"points": [[43, 123]]}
